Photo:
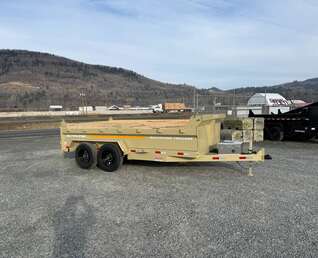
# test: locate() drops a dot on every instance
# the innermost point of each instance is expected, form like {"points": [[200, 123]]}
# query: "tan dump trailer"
{"points": [[181, 140]]}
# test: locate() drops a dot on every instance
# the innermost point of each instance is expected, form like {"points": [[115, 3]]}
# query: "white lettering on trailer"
{"points": [[171, 138], [160, 138], [76, 136], [183, 138]]}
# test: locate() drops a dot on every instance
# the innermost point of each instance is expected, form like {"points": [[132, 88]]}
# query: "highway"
{"points": [[28, 133], [31, 123]]}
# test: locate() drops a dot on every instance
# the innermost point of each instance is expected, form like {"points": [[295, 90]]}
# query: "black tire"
{"points": [[85, 155], [276, 133], [109, 157]]}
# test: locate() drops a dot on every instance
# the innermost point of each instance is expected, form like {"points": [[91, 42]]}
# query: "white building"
{"points": [[271, 102], [86, 109], [100, 108], [114, 107], [55, 108]]}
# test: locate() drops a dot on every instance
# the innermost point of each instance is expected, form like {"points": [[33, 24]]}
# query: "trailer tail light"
{"points": [[215, 158], [67, 147], [132, 150], [158, 152], [180, 153], [242, 157]]}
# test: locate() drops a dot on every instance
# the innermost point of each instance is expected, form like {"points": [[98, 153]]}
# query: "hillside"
{"points": [[306, 90], [35, 80]]}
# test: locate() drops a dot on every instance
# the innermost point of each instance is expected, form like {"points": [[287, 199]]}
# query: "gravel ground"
{"points": [[51, 208]]}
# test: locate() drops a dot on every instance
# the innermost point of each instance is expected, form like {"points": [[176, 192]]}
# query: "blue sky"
{"points": [[216, 43]]}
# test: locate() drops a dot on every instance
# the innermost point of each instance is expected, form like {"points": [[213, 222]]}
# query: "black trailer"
{"points": [[297, 124]]}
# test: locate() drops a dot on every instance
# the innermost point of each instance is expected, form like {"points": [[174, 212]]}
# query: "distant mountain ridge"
{"points": [[34, 80], [306, 90]]}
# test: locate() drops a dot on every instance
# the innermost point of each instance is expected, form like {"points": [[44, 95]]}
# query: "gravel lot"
{"points": [[51, 208]]}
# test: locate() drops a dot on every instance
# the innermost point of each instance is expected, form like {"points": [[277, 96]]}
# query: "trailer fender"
{"points": [[122, 146]]}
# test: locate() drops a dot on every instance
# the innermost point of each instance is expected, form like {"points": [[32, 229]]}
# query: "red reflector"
{"points": [[132, 150], [215, 158], [242, 157], [180, 153], [158, 152]]}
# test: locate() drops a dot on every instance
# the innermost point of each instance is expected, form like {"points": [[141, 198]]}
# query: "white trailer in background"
{"points": [[271, 102], [243, 111], [55, 108]]}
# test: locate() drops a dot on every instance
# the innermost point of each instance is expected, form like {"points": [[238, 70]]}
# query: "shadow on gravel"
{"points": [[71, 225], [213, 165], [312, 141]]}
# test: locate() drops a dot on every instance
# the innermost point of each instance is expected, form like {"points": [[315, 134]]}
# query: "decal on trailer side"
{"points": [[76, 136], [102, 137], [171, 138]]}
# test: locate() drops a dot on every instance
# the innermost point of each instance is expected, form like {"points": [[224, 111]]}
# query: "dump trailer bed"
{"points": [[180, 140]]}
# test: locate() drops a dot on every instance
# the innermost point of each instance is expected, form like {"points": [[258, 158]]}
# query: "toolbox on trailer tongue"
{"points": [[167, 140]]}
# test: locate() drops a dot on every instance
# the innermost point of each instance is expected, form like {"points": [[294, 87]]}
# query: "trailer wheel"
{"points": [[85, 155], [276, 134], [109, 158]]}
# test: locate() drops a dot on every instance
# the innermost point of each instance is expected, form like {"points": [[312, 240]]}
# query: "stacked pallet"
{"points": [[243, 129]]}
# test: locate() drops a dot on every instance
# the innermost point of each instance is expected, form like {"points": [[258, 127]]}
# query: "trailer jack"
{"points": [[268, 157]]}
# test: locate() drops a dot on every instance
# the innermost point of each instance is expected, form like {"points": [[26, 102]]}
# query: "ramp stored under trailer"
{"points": [[172, 140]]}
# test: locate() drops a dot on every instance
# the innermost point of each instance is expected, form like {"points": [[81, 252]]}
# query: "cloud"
{"points": [[206, 43]]}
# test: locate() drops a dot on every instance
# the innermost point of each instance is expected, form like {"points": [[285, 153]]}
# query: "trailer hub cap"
{"points": [[107, 158], [84, 156]]}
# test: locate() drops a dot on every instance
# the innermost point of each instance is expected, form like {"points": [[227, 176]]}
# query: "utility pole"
{"points": [[197, 102], [194, 97], [234, 109], [83, 101], [86, 102], [264, 107]]}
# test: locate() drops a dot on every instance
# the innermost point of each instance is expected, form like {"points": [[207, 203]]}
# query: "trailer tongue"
{"points": [[180, 140]]}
